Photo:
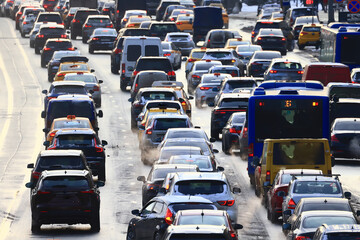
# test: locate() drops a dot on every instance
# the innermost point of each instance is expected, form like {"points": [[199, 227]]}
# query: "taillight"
{"points": [[300, 72], [117, 51], [97, 148], [88, 191], [71, 49], [53, 145], [172, 19], [252, 33], [96, 88], [191, 60], [251, 150], [291, 204], [36, 175], [136, 86], [267, 177], [25, 23], [167, 54], [63, 36], [171, 73], [148, 131], [110, 26], [228, 203], [135, 73], [75, 21], [195, 76], [178, 23], [61, 75], [52, 134], [334, 138], [283, 39], [301, 238], [123, 68], [40, 36], [233, 130], [205, 88], [245, 132], [49, 98], [87, 25], [47, 49], [259, 39], [168, 217], [131, 25], [273, 71], [95, 38], [42, 192]]}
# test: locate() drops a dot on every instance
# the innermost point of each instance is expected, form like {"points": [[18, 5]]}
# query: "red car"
{"points": [[281, 182]]}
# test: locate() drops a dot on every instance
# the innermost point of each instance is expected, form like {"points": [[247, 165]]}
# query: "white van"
{"points": [[133, 48]]}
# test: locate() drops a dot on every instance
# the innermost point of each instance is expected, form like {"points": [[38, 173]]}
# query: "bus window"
{"points": [[350, 50]]}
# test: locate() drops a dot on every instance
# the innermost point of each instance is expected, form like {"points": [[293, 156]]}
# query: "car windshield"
{"points": [[327, 206], [76, 139], [218, 55], [201, 187], [158, 96], [347, 126], [59, 55], [202, 220], [185, 134], [69, 90], [73, 67], [80, 78], [72, 124], [316, 187], [61, 162], [179, 236], [166, 123], [287, 66], [317, 221], [61, 183], [234, 103]]}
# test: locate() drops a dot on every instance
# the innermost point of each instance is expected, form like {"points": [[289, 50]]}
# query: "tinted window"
{"points": [[201, 163], [166, 123], [195, 187], [287, 65], [234, 103], [162, 28], [167, 153], [133, 52], [69, 90], [73, 67], [231, 85], [158, 96], [327, 206], [62, 183], [219, 54], [201, 220], [151, 50], [266, 25], [82, 15], [311, 187], [343, 236], [161, 173], [185, 134], [267, 55], [76, 140], [79, 109], [221, 36], [197, 236], [99, 20], [61, 162], [72, 124], [154, 64], [201, 144], [52, 31], [350, 50], [345, 92], [204, 66], [197, 55], [315, 222], [238, 118], [186, 206], [311, 29], [49, 18], [59, 44]]}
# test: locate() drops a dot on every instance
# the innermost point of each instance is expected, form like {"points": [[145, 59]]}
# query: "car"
{"points": [[57, 160], [227, 104], [182, 41], [246, 51], [195, 55], [210, 185], [197, 232], [225, 56], [184, 22], [68, 122], [69, 16], [47, 31], [160, 29], [197, 70], [271, 39], [345, 231], [173, 53], [32, 34], [227, 69], [92, 84], [5, 8], [232, 43], [155, 179], [54, 44], [344, 135], [162, 8], [49, 17], [311, 186], [284, 69], [54, 63], [208, 88], [65, 196], [261, 24], [355, 75], [327, 72], [76, 25], [170, 9], [102, 39], [27, 24], [266, 13], [230, 132], [187, 133], [72, 64], [135, 21], [48, 5], [176, 12], [217, 38], [63, 88], [24, 11], [309, 221], [159, 213], [146, 79], [280, 184], [92, 22], [295, 12], [189, 4], [277, 16], [156, 127], [128, 14], [259, 62], [166, 152], [108, 9], [203, 163], [87, 141], [301, 21]]}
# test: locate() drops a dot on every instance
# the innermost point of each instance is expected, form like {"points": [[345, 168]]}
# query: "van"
{"points": [[290, 154], [133, 48], [206, 19], [146, 79], [326, 72]]}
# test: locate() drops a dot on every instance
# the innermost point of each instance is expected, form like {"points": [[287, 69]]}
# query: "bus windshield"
{"points": [[280, 118]]}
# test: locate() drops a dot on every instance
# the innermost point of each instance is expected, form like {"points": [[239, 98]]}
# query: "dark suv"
{"points": [[160, 29], [87, 141], [264, 24], [217, 38], [52, 45], [65, 196], [49, 17], [56, 160], [79, 20], [162, 7], [46, 32], [154, 63]]}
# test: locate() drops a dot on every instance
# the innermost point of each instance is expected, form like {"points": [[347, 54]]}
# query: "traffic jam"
{"points": [[211, 119]]}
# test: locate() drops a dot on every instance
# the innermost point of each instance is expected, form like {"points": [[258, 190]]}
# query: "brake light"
{"points": [[61, 75], [98, 149], [205, 88], [135, 73], [172, 19], [219, 112], [267, 177], [179, 23], [148, 131], [110, 26], [233, 130], [245, 131], [152, 186], [25, 23], [125, 19], [40, 36], [300, 72], [259, 38], [136, 86], [117, 51], [195, 76], [95, 38], [251, 150], [42, 192], [291, 204], [52, 134], [131, 25], [123, 68], [167, 54], [334, 138], [87, 25], [191, 60], [252, 33], [273, 71], [96, 88], [283, 39], [301, 238], [75, 21], [46, 49], [105, 10], [36, 175], [168, 217], [228, 203], [88, 191], [171, 73]]}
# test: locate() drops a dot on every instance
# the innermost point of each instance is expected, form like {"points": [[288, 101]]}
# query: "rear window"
{"points": [[61, 162], [49, 18], [59, 44], [204, 66], [234, 103], [317, 221], [231, 85], [166, 154], [52, 31], [72, 124], [219, 54], [327, 206], [77, 108], [343, 236], [347, 126], [154, 64], [181, 236], [201, 144], [184, 134], [311, 29], [186, 206], [266, 25], [80, 78], [69, 90], [161, 173], [98, 20], [152, 50], [62, 183], [74, 67], [160, 28], [136, 32], [221, 36], [201, 163], [316, 187], [158, 96], [133, 52], [266, 55], [166, 123], [287, 65], [201, 220], [302, 12], [201, 187], [82, 15], [76, 140], [197, 55]]}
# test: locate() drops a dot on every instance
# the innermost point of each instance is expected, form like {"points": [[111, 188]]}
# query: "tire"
{"points": [[17, 26], [198, 104], [257, 192], [91, 50], [114, 70], [157, 236], [301, 47], [22, 34], [31, 45], [252, 180], [98, 104], [123, 85], [215, 134], [84, 39], [130, 235], [225, 147], [37, 50], [35, 226], [73, 36], [102, 174], [271, 215], [43, 64], [95, 222]]}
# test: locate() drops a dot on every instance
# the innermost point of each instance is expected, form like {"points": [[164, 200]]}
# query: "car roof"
{"points": [[315, 178], [341, 228], [202, 212], [197, 229], [326, 213], [75, 131], [235, 95], [299, 171], [83, 74], [219, 50], [220, 176], [324, 200], [172, 199], [157, 89], [68, 83], [172, 166], [99, 16], [54, 173], [185, 140], [173, 116], [73, 97], [52, 153], [276, 60], [224, 67], [185, 148]]}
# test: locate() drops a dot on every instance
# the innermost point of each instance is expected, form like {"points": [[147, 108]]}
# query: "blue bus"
{"points": [[341, 45], [285, 110]]}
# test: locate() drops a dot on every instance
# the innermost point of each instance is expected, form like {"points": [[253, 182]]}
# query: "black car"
{"points": [[153, 219], [52, 45], [259, 62], [57, 160], [345, 137], [271, 39], [160, 29], [168, 11], [154, 63], [162, 7], [79, 20], [48, 5], [217, 38], [231, 131], [260, 24], [102, 39], [87, 141], [46, 32], [54, 63], [227, 105], [155, 179], [65, 196]]}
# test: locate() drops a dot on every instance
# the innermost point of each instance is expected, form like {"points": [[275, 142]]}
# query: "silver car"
{"points": [[172, 53], [209, 86], [198, 69], [284, 69], [246, 51], [26, 25], [213, 186], [92, 84], [33, 33], [93, 22], [181, 40]]}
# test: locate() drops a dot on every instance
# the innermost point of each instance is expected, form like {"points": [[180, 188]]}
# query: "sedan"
{"points": [[52, 45], [102, 39], [173, 53], [271, 39], [54, 63], [345, 136], [259, 62], [231, 131], [93, 22], [284, 69], [198, 69], [183, 41]]}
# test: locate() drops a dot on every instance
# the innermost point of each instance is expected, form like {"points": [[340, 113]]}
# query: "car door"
{"points": [[143, 221], [154, 219]]}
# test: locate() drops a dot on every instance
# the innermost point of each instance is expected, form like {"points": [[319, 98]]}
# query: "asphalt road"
{"points": [[21, 137]]}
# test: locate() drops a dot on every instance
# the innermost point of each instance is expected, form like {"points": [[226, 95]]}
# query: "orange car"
{"points": [[135, 21], [184, 22]]}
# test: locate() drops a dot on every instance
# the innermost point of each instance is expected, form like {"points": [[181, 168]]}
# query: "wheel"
{"points": [[22, 34], [114, 69], [91, 50], [252, 180], [102, 174], [31, 44], [95, 222], [133, 123], [215, 134], [35, 226], [271, 215], [98, 103], [72, 36], [50, 79], [84, 39], [257, 192], [37, 50], [198, 104], [17, 26], [157, 236], [130, 234], [123, 85], [225, 147], [301, 47], [144, 158], [43, 64]]}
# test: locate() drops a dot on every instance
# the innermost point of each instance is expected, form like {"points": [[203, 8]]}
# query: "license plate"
{"points": [[105, 40], [271, 40]]}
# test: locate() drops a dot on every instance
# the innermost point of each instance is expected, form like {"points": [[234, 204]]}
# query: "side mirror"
{"points": [[92, 70], [46, 143], [30, 165], [191, 97], [236, 190], [162, 190], [238, 226], [29, 185], [104, 143], [44, 130], [43, 115], [287, 212], [135, 212], [130, 100], [281, 194], [141, 179], [212, 139], [220, 169], [197, 127], [211, 104], [347, 195], [332, 161], [255, 161], [100, 184], [75, 48], [96, 128], [215, 151], [44, 91], [101, 81], [100, 114], [286, 226]]}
